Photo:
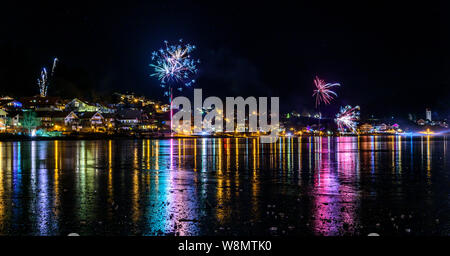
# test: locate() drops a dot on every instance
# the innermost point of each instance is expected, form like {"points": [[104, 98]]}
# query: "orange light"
{"points": [[428, 132]]}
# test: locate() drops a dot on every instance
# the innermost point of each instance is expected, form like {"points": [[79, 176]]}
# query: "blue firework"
{"points": [[174, 66]]}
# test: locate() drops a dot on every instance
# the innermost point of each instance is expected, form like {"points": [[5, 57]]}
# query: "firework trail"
{"points": [[323, 92], [347, 118], [174, 66], [43, 80], [54, 65]]}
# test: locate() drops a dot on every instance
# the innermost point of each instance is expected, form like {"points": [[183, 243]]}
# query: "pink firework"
{"points": [[323, 92], [347, 118]]}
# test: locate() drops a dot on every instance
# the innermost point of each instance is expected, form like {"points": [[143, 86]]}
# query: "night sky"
{"points": [[389, 58]]}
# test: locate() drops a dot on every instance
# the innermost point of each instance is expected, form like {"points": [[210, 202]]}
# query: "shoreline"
{"points": [[93, 136]]}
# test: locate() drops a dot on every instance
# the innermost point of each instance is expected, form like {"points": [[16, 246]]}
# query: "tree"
{"points": [[30, 121]]}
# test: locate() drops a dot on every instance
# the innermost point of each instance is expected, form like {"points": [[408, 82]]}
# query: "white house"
{"points": [[3, 120]]}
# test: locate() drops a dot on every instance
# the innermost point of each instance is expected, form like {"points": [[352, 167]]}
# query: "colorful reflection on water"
{"points": [[310, 185]]}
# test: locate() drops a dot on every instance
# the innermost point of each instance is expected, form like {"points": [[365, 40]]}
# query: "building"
{"points": [[366, 128], [72, 121], [90, 121], [39, 103], [381, 127], [14, 119], [131, 100], [54, 120], [3, 120], [104, 109], [109, 120], [9, 104], [428, 115], [9, 119], [129, 118], [78, 105]]}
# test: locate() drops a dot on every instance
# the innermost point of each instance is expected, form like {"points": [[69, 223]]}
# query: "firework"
{"points": [[174, 66], [347, 118], [43, 80], [54, 65], [323, 92]]}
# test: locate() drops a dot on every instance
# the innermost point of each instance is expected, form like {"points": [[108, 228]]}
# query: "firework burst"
{"points": [[43, 80], [323, 92], [174, 66], [347, 118]]}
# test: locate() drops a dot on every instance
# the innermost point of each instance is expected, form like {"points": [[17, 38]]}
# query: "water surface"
{"points": [[298, 186]]}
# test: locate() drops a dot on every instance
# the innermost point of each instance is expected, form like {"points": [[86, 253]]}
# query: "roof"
{"points": [[87, 115], [4, 102], [108, 115], [39, 101], [82, 101], [129, 114], [54, 114], [13, 113]]}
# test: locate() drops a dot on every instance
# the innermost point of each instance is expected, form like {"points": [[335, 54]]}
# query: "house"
{"points": [[39, 103], [52, 119], [78, 106], [72, 121], [13, 119], [161, 121], [97, 121], [381, 128], [3, 120], [421, 122], [366, 128], [9, 119], [131, 100], [89, 121], [93, 120], [109, 120], [105, 109], [129, 118], [148, 122], [162, 108], [3, 113], [10, 104]]}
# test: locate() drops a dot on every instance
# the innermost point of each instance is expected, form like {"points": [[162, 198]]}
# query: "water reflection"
{"points": [[212, 186]]}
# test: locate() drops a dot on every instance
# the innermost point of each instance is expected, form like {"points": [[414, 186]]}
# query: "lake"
{"points": [[391, 185]]}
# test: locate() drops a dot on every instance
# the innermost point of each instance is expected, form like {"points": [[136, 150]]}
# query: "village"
{"points": [[54, 116], [130, 115]]}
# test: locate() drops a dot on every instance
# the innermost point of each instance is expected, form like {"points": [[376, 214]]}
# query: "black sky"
{"points": [[390, 58]]}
